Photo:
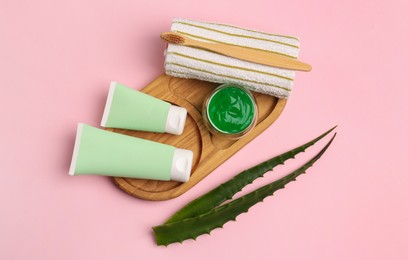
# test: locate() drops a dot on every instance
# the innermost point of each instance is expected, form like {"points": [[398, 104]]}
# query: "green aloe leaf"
{"points": [[191, 228], [226, 190]]}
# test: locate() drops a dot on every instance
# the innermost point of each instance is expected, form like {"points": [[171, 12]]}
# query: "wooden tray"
{"points": [[209, 151]]}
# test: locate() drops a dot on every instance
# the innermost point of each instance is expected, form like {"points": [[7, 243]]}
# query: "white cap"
{"points": [[181, 165], [176, 119]]}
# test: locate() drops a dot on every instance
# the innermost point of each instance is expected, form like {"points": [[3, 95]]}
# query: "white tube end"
{"points": [[76, 149], [181, 166], [108, 103], [176, 119]]}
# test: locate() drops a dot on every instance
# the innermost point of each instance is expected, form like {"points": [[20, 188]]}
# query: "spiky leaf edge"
{"points": [[191, 228], [228, 189]]}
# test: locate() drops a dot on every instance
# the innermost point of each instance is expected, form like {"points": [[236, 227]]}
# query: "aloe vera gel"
{"points": [[230, 111], [106, 153], [127, 108]]}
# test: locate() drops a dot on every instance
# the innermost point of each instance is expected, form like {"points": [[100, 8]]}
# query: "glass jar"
{"points": [[230, 111]]}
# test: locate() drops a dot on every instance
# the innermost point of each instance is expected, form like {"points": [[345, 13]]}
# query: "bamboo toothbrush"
{"points": [[261, 57]]}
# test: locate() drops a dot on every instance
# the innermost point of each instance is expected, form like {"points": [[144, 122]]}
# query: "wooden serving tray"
{"points": [[209, 150]]}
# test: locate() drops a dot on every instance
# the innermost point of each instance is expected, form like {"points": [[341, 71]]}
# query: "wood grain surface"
{"points": [[209, 150]]}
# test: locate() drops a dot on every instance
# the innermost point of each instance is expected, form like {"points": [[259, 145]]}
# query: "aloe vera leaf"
{"points": [[226, 190], [191, 228]]}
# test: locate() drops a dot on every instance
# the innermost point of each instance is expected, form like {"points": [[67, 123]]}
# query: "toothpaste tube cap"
{"points": [[176, 119], [181, 165]]}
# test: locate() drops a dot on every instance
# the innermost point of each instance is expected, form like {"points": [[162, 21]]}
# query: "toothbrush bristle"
{"points": [[173, 38]]}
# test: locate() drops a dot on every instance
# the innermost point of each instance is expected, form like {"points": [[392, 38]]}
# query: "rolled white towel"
{"points": [[189, 62]]}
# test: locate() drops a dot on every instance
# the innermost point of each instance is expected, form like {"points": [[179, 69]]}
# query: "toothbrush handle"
{"points": [[256, 56]]}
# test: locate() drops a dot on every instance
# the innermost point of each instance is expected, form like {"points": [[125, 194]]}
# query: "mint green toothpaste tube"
{"points": [[106, 153], [127, 108]]}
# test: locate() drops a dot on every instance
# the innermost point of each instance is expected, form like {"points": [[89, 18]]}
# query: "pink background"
{"points": [[56, 62]]}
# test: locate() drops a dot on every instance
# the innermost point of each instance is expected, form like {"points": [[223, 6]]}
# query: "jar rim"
{"points": [[254, 112]]}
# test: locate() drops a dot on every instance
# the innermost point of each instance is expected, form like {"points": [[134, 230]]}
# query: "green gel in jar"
{"points": [[230, 111]]}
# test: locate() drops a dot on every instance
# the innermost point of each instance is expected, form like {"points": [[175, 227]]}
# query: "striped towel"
{"points": [[188, 62]]}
